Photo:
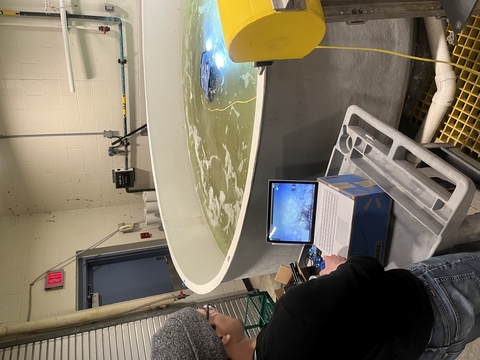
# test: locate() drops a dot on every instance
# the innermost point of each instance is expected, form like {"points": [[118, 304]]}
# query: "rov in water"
{"points": [[208, 77]]}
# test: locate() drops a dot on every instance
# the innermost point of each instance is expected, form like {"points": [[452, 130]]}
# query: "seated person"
{"points": [[354, 310]]}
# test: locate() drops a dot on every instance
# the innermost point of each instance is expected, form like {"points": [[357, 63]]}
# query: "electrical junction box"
{"points": [[123, 178], [110, 8]]}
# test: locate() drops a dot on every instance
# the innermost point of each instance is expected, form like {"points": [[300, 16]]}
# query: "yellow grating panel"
{"points": [[423, 104], [461, 125]]}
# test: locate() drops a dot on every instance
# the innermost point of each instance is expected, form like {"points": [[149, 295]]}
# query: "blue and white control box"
{"points": [[352, 217]]}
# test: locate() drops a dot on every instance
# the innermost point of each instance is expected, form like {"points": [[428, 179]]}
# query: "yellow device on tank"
{"points": [[263, 30]]}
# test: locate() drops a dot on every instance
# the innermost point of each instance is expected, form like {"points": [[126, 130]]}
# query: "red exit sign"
{"points": [[54, 279]]}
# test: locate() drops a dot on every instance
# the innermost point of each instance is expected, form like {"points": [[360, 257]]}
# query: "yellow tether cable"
{"points": [[235, 102], [399, 54], [383, 51]]}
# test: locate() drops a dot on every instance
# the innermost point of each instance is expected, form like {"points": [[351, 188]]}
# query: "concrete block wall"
{"points": [[31, 244], [55, 173], [56, 191]]}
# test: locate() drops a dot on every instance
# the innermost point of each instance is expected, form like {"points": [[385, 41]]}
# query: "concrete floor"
{"points": [[268, 283]]}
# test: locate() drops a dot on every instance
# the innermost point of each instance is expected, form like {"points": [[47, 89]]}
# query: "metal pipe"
{"points": [[366, 10], [132, 191], [27, 13], [48, 135], [121, 61], [66, 45], [50, 26]]}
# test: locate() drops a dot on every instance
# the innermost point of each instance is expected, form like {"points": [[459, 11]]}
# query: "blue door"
{"points": [[125, 276]]}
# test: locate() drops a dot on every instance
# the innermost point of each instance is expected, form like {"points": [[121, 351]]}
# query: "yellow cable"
{"points": [[411, 57], [235, 102], [399, 54]]}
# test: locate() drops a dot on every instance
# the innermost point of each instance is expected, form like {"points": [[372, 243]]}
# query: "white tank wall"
{"points": [[300, 115], [195, 253]]}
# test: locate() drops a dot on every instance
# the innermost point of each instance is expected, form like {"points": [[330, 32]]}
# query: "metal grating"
{"points": [[123, 341], [461, 126], [424, 101]]}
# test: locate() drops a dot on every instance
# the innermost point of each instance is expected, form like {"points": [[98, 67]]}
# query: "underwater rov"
{"points": [[208, 75], [210, 69]]}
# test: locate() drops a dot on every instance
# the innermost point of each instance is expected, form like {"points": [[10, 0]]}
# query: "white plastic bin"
{"points": [[425, 217]]}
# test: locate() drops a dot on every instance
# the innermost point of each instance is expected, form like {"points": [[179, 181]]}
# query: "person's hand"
{"points": [[331, 263]]}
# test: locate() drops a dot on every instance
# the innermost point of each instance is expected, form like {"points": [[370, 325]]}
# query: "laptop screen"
{"points": [[291, 211]]}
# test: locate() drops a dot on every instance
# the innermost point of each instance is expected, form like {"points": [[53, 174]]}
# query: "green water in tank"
{"points": [[219, 118]]}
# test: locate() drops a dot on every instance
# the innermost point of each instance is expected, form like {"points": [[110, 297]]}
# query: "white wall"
{"points": [[56, 192], [31, 244], [44, 174]]}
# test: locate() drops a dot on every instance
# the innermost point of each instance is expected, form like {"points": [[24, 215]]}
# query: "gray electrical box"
{"points": [[123, 178]]}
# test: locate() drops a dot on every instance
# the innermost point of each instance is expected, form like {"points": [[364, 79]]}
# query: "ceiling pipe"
{"points": [[66, 44], [48, 26], [50, 135], [445, 80]]}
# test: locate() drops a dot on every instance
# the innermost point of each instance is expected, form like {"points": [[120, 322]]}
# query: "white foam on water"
{"points": [[232, 109], [232, 212], [247, 77], [220, 192], [202, 8], [240, 167]]}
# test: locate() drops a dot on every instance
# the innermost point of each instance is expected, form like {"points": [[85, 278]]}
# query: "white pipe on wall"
{"points": [[89, 315], [445, 80], [66, 44], [49, 26]]}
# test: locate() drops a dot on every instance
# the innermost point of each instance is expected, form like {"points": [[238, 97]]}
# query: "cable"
{"points": [[235, 102], [56, 267], [383, 51], [122, 139], [411, 57]]}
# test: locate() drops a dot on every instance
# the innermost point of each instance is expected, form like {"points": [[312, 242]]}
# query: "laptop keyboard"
{"points": [[329, 217]]}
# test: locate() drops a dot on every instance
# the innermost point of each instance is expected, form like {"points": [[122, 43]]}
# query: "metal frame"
{"points": [[288, 5], [458, 13], [352, 11]]}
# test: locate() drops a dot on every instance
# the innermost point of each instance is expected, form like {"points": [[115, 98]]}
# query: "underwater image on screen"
{"points": [[291, 212], [219, 97]]}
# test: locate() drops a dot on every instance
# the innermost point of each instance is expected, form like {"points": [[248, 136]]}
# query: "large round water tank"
{"points": [[293, 112]]}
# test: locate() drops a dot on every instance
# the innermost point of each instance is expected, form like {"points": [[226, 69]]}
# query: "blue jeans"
{"points": [[453, 283]]}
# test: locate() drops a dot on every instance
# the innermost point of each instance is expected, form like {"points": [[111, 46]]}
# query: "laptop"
{"points": [[334, 225], [292, 212], [344, 215]]}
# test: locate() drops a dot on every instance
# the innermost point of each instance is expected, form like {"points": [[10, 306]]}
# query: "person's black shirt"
{"points": [[359, 311]]}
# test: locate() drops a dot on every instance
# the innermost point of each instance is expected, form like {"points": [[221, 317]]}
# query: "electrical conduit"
{"points": [[445, 80]]}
